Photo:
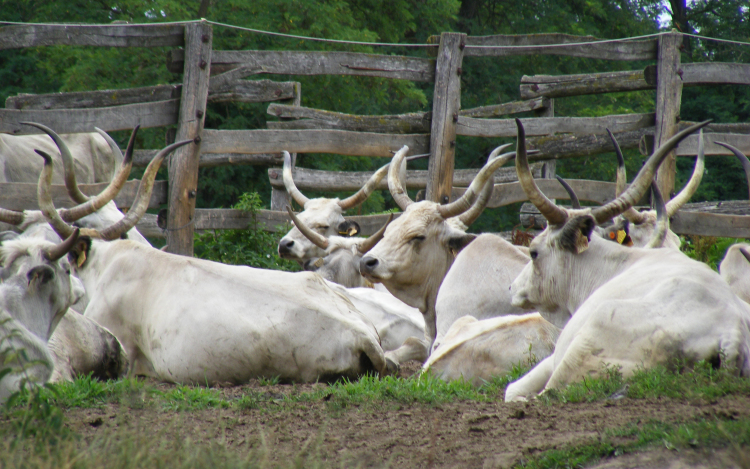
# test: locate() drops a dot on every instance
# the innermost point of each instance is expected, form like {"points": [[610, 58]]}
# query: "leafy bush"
{"points": [[707, 249], [253, 246]]}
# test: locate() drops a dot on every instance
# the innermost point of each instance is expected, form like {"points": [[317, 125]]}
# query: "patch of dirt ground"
{"points": [[460, 434]]}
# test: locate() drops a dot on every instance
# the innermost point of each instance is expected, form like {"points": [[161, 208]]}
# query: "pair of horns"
{"points": [[114, 231], [678, 201], [557, 216], [345, 204], [463, 204], [322, 242]]}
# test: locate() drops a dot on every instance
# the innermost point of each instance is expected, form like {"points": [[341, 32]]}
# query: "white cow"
{"points": [[477, 351], [190, 320], [735, 270], [634, 307], [322, 215], [36, 291], [417, 250]]}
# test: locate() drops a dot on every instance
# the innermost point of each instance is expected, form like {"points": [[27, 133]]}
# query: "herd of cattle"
{"points": [[83, 292]]}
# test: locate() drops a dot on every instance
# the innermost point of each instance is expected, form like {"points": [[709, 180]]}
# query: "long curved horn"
{"points": [[54, 253], [484, 176], [399, 194], [645, 175], [68, 164], [114, 187], [11, 217], [695, 180], [44, 198], [366, 190], [631, 214], [291, 188], [471, 215], [373, 239], [743, 159], [574, 202], [317, 239], [554, 214], [142, 197], [662, 219]]}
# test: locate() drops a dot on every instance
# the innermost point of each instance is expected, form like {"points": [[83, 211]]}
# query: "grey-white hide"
{"points": [[34, 295], [478, 350], [478, 284], [735, 270], [189, 320], [81, 347]]}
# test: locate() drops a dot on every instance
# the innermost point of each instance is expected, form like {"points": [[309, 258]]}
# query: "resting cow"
{"points": [[634, 307], [195, 321], [36, 291]]}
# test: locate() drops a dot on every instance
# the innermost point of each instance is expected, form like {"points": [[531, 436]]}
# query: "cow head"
{"points": [[564, 269], [322, 215], [418, 248], [37, 285]]}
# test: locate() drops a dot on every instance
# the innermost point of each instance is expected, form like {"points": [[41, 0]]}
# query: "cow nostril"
{"points": [[371, 263], [289, 243], [367, 264]]}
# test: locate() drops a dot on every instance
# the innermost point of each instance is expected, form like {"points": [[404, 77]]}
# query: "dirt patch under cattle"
{"points": [[457, 434]]}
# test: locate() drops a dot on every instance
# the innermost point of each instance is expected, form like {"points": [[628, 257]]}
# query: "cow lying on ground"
{"points": [[477, 351], [417, 250], [634, 307], [36, 291], [195, 321]]}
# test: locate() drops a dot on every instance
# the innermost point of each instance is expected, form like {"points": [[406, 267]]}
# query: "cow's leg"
{"points": [[532, 383], [414, 348]]}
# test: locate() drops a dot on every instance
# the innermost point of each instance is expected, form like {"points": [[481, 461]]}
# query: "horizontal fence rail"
{"points": [[23, 196], [141, 35]]}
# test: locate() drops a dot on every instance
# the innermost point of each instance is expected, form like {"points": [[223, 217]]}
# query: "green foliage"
{"points": [[191, 398], [253, 246], [707, 249]]}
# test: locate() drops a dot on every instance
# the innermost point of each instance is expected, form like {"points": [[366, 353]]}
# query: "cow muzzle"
{"points": [[368, 266], [285, 248]]}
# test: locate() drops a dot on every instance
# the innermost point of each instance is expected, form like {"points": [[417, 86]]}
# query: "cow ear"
{"points": [[348, 228], [460, 241], [576, 233], [80, 252], [39, 275]]}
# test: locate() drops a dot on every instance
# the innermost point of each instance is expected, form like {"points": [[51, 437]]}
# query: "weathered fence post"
{"points": [[668, 98], [280, 197], [446, 103], [183, 164]]}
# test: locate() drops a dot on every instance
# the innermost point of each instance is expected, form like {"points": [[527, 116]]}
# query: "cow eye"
{"points": [[418, 238], [533, 254]]}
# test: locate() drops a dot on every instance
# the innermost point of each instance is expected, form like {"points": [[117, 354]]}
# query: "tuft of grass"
{"points": [[191, 398], [679, 381]]}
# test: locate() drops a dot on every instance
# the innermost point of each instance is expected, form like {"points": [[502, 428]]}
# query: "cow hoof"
{"points": [[392, 366]]}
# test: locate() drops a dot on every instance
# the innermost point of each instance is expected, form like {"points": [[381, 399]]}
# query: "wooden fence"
{"points": [[215, 76]]}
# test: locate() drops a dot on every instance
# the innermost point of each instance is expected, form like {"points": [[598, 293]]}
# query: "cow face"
{"points": [[322, 216], [340, 266], [44, 288], [638, 234], [545, 282], [414, 255]]}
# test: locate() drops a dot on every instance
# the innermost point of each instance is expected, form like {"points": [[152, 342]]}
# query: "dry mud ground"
{"points": [[459, 434]]}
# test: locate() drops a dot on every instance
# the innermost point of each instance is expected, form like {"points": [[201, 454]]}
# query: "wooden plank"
{"points": [[311, 141], [121, 35], [280, 198], [317, 63], [268, 220], [327, 181], [689, 146], [558, 86], [141, 158], [22, 196], [549, 125], [668, 99], [183, 164], [726, 207], [155, 114], [446, 102], [710, 73], [413, 123], [497, 110], [560, 44], [710, 224], [248, 91], [512, 192], [574, 146]]}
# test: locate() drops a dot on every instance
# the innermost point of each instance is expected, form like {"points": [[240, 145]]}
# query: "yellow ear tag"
{"points": [[319, 263], [352, 231], [81, 258], [621, 236]]}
